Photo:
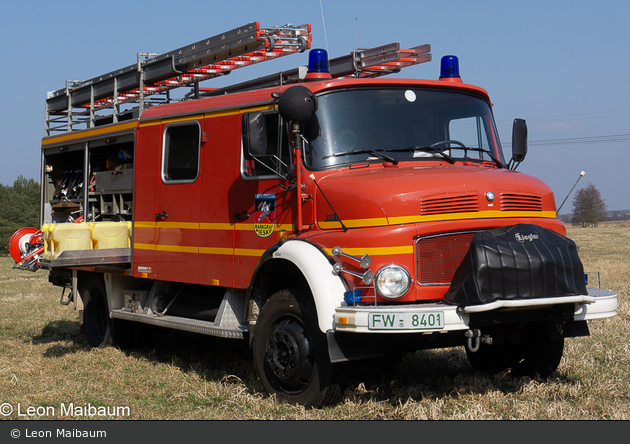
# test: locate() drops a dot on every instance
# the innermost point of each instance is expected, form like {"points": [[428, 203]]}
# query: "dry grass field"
{"points": [[46, 365]]}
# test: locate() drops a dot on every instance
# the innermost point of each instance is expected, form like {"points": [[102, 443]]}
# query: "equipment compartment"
{"points": [[117, 180], [90, 181]]}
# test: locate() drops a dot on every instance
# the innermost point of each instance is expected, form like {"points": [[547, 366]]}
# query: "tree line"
{"points": [[19, 208]]}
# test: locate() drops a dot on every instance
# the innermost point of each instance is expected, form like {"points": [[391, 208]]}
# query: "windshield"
{"points": [[400, 124]]}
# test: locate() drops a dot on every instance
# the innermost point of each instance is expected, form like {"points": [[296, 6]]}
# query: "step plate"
{"points": [[184, 324]]}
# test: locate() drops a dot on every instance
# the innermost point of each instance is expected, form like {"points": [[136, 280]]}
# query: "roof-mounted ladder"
{"points": [[361, 63], [149, 81], [379, 61]]}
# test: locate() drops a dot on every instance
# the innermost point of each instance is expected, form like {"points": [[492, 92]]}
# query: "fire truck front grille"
{"points": [[516, 202], [449, 204], [439, 256]]}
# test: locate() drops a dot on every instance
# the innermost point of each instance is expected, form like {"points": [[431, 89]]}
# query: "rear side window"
{"points": [[180, 156]]}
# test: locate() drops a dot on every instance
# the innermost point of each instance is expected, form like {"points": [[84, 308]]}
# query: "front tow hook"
{"points": [[475, 338]]}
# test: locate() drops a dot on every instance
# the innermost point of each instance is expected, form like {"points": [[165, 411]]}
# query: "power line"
{"points": [[572, 117], [578, 140], [575, 117]]}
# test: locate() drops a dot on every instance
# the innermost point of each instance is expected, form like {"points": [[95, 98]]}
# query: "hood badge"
{"points": [[522, 238], [489, 196]]}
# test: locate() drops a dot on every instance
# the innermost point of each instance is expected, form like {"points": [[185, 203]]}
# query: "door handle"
{"points": [[161, 216], [242, 216]]}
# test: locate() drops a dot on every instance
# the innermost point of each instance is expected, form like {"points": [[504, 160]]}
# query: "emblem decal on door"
{"points": [[265, 214]]}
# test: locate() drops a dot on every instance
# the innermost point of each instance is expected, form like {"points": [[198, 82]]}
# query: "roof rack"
{"points": [[149, 81], [361, 63]]}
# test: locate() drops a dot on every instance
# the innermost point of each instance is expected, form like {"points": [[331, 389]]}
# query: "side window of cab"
{"points": [[265, 146], [470, 131], [180, 152]]}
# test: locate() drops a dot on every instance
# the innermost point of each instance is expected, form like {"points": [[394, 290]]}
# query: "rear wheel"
{"points": [[100, 329], [291, 353], [98, 325]]}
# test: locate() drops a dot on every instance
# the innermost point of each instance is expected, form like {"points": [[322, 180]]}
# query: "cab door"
{"points": [[178, 201], [264, 197]]}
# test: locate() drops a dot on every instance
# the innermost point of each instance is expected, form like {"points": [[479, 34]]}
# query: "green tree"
{"points": [[588, 206], [19, 208]]}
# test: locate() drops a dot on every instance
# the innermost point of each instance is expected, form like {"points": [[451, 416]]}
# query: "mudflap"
{"points": [[343, 347], [575, 329]]}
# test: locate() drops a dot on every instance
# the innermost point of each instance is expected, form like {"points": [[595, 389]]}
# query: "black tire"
{"points": [[100, 329], [291, 353], [540, 353], [98, 325], [491, 359], [535, 354]]}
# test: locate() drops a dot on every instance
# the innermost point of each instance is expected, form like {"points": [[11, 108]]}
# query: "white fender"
{"points": [[327, 288]]}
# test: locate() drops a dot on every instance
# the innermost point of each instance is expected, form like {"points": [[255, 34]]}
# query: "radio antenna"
{"points": [[324, 23], [565, 199]]}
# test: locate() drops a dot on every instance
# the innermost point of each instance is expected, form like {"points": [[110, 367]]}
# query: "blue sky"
{"points": [[564, 66]]}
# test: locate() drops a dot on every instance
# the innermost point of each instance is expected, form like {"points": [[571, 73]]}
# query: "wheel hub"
{"points": [[289, 354]]}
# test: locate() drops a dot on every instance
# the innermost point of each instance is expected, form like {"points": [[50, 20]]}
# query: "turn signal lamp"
{"points": [[282, 235], [318, 65], [449, 70]]}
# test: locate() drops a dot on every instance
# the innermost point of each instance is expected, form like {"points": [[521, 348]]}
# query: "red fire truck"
{"points": [[324, 214]]}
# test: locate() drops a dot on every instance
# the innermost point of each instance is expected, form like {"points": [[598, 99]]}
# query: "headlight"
{"points": [[392, 281]]}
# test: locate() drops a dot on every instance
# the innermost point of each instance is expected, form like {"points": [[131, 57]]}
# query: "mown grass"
{"points": [[46, 361]]}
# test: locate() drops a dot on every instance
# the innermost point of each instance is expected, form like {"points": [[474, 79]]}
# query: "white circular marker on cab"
{"points": [[410, 95]]}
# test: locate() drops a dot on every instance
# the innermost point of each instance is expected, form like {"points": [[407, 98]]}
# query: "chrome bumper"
{"points": [[597, 304]]}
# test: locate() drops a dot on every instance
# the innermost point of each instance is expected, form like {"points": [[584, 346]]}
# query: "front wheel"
{"points": [[540, 353], [529, 351], [291, 353]]}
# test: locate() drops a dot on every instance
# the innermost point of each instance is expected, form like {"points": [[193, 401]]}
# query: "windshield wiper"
{"points": [[448, 158], [373, 152], [488, 152]]}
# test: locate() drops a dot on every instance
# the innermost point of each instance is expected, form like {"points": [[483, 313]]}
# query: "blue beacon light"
{"points": [[352, 297], [449, 70], [318, 65]]}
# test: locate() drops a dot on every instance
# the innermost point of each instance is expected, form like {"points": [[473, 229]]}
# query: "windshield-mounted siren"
{"points": [[318, 68], [449, 70]]}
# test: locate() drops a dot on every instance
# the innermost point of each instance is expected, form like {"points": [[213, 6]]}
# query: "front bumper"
{"points": [[415, 318]]}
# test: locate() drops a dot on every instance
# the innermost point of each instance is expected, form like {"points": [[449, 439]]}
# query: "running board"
{"points": [[184, 324]]}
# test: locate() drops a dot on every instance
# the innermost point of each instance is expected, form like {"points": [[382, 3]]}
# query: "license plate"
{"points": [[428, 320]]}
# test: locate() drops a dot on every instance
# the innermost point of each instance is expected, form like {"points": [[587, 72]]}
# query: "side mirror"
{"points": [[297, 104], [519, 141]]}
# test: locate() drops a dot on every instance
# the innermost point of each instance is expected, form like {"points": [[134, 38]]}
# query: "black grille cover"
{"points": [[517, 262]]}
